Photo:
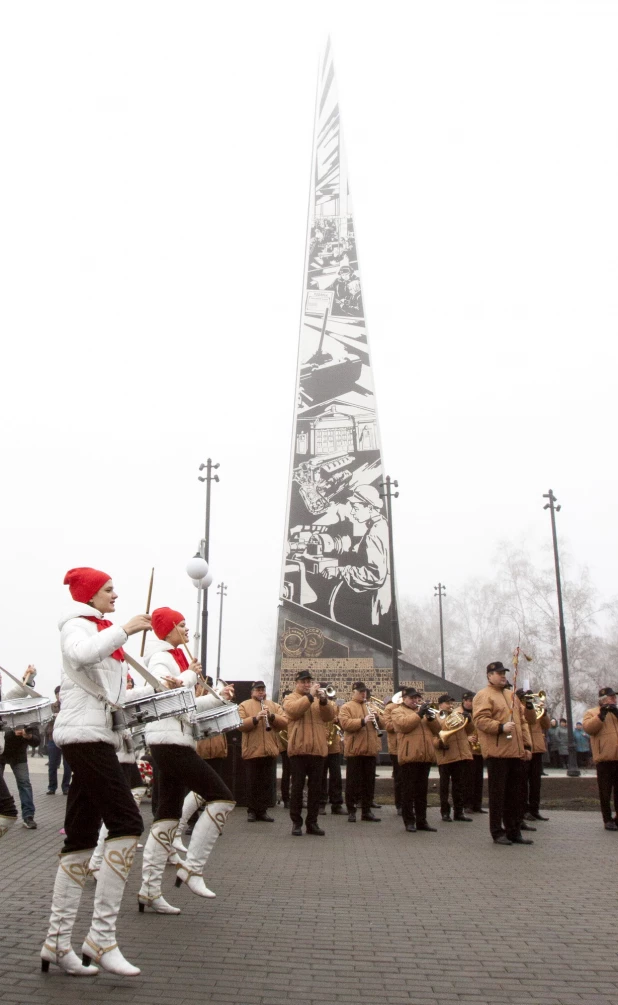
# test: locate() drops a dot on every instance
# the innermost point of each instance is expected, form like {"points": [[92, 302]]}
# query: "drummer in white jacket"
{"points": [[178, 767], [93, 682]]}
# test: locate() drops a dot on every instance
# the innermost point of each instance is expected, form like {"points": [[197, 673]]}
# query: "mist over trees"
{"points": [[487, 618]]}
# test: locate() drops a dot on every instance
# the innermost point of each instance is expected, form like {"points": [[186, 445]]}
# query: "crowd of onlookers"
{"points": [[558, 745]]}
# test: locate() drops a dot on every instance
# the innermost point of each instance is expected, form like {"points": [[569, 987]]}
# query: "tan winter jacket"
{"points": [[359, 740], [416, 735], [257, 741], [603, 735], [458, 744], [306, 718], [212, 746], [492, 707], [391, 732], [538, 729]]}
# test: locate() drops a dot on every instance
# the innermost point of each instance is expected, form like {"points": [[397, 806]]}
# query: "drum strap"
{"points": [[87, 685]]}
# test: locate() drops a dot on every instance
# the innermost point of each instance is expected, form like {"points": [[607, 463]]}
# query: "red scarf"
{"points": [[101, 623], [181, 659]]}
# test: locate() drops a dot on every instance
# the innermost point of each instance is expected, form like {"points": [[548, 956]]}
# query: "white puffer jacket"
{"points": [[177, 730], [82, 717]]}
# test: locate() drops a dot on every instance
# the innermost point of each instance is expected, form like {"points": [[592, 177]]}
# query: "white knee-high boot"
{"points": [[97, 855], [190, 806], [205, 833], [5, 824], [70, 880], [100, 944], [155, 856]]}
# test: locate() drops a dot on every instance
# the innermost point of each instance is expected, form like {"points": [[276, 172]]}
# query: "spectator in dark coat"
{"points": [[55, 754]]}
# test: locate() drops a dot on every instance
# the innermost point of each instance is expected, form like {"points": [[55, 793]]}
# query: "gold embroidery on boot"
{"points": [[77, 871], [120, 860], [165, 837], [220, 817]]}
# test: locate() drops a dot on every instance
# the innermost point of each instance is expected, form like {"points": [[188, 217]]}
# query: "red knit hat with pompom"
{"points": [[83, 583], [164, 620]]}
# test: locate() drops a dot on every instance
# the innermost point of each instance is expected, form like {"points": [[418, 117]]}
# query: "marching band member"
{"points": [[307, 748], [8, 809], [392, 741], [453, 756], [534, 766], [500, 724], [93, 679], [361, 746], [415, 750], [332, 784], [179, 767], [473, 780], [601, 724], [261, 719]]}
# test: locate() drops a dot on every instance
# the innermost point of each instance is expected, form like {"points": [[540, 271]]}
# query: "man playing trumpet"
{"points": [[417, 725], [361, 725], [307, 709]]}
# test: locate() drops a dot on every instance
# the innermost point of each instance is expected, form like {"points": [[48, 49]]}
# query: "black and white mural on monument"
{"points": [[337, 560]]}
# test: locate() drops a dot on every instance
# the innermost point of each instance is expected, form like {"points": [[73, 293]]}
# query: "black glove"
{"points": [[522, 695], [612, 708], [604, 710], [422, 711]]}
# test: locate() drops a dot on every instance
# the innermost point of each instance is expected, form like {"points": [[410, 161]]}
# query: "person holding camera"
{"points": [[601, 724], [15, 755]]}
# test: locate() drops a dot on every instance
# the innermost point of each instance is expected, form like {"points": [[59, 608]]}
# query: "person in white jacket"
{"points": [[93, 683], [177, 767]]}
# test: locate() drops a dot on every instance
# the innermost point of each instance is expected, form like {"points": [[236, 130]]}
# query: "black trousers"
{"points": [[332, 785], [396, 779], [259, 775], [285, 777], [180, 769], [414, 783], [132, 775], [607, 780], [453, 773], [99, 792], [360, 783], [7, 803], [534, 770], [305, 766], [506, 810], [473, 783]]}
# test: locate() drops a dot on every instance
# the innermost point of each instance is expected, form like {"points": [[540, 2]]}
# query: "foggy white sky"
{"points": [[155, 176]]}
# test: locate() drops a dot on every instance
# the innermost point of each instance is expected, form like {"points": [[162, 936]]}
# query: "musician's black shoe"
{"points": [[526, 827], [534, 816], [371, 817], [338, 810], [314, 829], [518, 839], [29, 823], [297, 832], [462, 819], [611, 825], [425, 827], [50, 792], [399, 811], [286, 804], [376, 806], [446, 817], [265, 818], [479, 810], [502, 840], [251, 817], [411, 828], [351, 818], [322, 811]]}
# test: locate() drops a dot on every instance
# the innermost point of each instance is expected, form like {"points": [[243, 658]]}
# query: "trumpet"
{"points": [[267, 725], [431, 711]]}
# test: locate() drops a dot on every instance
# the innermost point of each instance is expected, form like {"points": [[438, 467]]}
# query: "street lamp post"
{"points": [[441, 592], [221, 592], [388, 495], [572, 770], [209, 477]]}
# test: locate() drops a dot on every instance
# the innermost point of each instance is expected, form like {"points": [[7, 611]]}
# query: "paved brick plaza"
{"points": [[367, 914]]}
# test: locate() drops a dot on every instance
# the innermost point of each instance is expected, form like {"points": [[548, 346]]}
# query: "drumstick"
{"points": [[141, 652], [186, 646]]}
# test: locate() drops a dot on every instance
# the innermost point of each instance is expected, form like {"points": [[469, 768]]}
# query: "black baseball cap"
{"points": [[497, 667], [607, 692], [303, 675], [411, 692], [445, 697], [359, 686], [467, 695], [257, 683]]}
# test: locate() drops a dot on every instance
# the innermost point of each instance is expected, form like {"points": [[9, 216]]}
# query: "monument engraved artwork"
{"points": [[336, 560]]}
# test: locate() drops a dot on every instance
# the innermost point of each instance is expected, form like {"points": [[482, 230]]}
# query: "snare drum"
{"points": [[22, 713], [221, 719], [138, 712]]}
